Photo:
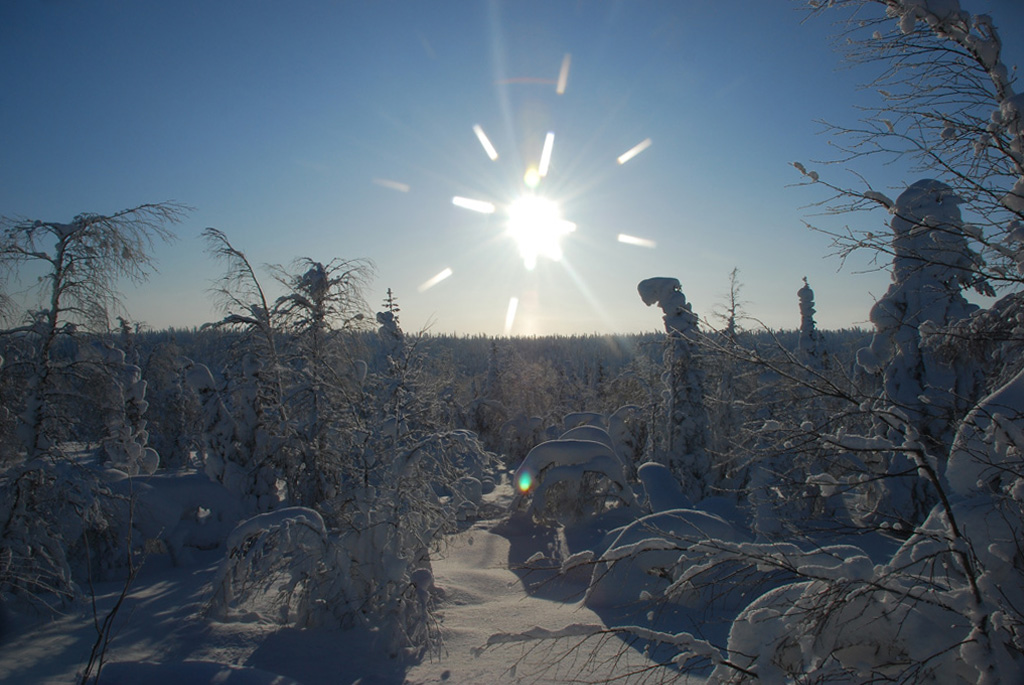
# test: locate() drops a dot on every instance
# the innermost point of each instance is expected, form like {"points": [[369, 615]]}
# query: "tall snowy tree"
{"points": [[249, 410], [810, 338], [81, 263], [932, 265], [59, 523], [321, 309], [686, 449]]}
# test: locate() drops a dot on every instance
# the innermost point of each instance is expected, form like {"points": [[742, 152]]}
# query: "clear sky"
{"points": [[345, 128]]}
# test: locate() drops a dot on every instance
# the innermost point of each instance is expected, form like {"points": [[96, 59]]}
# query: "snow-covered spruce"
{"points": [[925, 394], [686, 450]]}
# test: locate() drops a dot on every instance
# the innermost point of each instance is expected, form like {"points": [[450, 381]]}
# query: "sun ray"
{"points": [[634, 151], [596, 305], [485, 142]]}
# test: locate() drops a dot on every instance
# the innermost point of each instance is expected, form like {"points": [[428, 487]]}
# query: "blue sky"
{"points": [[278, 121]]}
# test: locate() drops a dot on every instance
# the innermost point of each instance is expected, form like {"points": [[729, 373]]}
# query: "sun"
{"points": [[536, 225]]}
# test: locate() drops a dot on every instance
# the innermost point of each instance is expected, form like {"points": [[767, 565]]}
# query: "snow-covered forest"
{"points": [[303, 491]]}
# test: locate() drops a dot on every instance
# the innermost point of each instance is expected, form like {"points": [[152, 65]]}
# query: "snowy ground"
{"points": [[161, 626]]}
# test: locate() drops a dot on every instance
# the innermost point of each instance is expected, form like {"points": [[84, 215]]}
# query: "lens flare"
{"points": [[485, 142], [545, 155], [634, 151], [393, 185], [531, 178], [431, 282], [474, 205], [563, 74], [510, 314], [525, 481], [634, 240]]}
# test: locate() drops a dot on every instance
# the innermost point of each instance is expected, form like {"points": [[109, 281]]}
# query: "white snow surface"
{"points": [[162, 636]]}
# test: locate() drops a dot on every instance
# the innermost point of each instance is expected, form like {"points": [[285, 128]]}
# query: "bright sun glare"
{"points": [[536, 225], [535, 222]]}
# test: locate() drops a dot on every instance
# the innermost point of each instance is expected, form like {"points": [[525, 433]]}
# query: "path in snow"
{"points": [[162, 623], [482, 597]]}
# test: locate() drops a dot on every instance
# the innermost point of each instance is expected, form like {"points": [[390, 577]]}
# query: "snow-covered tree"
{"points": [[925, 395], [174, 405], [686, 449], [948, 110], [81, 263], [322, 307], [59, 523], [249, 410], [810, 338], [732, 309]]}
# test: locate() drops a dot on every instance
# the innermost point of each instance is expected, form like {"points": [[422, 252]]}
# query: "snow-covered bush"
{"points": [[284, 566], [273, 564], [660, 559], [567, 480], [359, 452], [125, 445], [59, 526], [945, 607], [174, 406]]}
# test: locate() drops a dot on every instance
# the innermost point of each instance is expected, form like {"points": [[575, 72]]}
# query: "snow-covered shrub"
{"points": [[519, 434], [235, 447], [460, 468], [567, 480], [662, 558], [125, 445], [284, 566], [945, 607], [840, 630], [173, 419], [177, 513], [59, 526], [272, 567], [59, 523], [8, 418]]}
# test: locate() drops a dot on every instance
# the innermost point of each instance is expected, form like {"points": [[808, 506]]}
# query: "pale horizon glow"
{"points": [[634, 151], [481, 206], [510, 314], [545, 155], [485, 142], [431, 282], [634, 240], [563, 74]]}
